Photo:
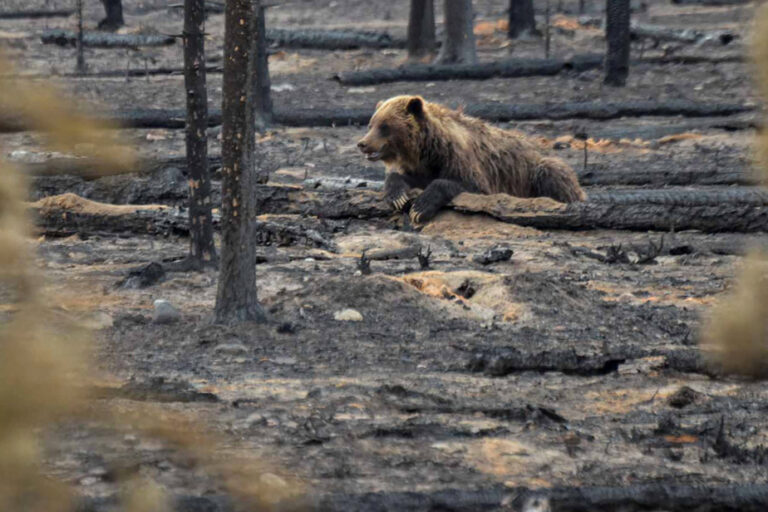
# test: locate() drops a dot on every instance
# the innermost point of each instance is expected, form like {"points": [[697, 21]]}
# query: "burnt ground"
{"points": [[550, 369]]}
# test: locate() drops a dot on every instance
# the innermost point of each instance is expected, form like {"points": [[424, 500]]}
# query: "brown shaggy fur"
{"points": [[425, 141]]}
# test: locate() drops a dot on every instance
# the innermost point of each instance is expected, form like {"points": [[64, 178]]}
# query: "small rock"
{"points": [[233, 349], [165, 313], [561, 145], [682, 397], [348, 315], [494, 255]]}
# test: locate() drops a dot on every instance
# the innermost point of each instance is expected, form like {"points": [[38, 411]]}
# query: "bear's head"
{"points": [[393, 133]]}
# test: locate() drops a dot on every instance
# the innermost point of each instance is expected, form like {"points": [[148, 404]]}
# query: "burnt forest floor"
{"points": [[549, 369]]}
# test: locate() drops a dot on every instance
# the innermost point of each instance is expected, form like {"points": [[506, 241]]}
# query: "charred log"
{"points": [[105, 39], [714, 210], [711, 2], [496, 112], [36, 14], [501, 69], [332, 39]]}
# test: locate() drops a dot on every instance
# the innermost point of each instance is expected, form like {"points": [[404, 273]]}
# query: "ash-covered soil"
{"points": [[550, 369]]}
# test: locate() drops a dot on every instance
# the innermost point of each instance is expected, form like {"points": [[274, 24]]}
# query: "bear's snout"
{"points": [[362, 146]]}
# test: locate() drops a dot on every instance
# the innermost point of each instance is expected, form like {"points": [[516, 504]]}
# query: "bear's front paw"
{"points": [[424, 209]]}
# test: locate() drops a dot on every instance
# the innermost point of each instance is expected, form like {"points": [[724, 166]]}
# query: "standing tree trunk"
{"points": [[459, 44], [114, 11], [202, 251], [81, 68], [617, 35], [262, 85], [421, 30], [522, 22], [236, 298]]}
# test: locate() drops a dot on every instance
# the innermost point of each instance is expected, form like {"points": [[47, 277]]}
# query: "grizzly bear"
{"points": [[444, 152]]}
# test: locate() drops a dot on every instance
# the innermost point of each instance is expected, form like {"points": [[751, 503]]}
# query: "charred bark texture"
{"points": [[617, 34], [522, 19], [262, 84], [105, 40], [497, 112], [236, 298], [459, 43], [202, 251], [422, 41], [114, 15], [79, 43]]}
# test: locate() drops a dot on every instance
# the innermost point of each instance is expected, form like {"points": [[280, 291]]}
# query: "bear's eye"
{"points": [[384, 129]]}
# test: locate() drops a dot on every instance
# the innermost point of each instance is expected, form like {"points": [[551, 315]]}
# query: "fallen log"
{"points": [[591, 177], [332, 39], [716, 210], [687, 35], [499, 112], [507, 361], [648, 210], [665, 177], [68, 214], [711, 2], [106, 39], [511, 68], [496, 112], [91, 169], [36, 14], [661, 33]]}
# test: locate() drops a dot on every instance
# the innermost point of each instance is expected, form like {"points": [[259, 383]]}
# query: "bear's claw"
{"points": [[401, 202]]}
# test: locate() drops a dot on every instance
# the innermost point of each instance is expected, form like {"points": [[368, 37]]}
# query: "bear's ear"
{"points": [[379, 104], [416, 107]]}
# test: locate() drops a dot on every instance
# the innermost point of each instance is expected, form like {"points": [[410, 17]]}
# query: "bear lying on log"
{"points": [[427, 146]]}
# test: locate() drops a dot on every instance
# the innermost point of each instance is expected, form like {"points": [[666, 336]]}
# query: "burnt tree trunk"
{"points": [[114, 15], [202, 251], [260, 69], [236, 298], [459, 43], [617, 34], [522, 22], [421, 30], [79, 42]]}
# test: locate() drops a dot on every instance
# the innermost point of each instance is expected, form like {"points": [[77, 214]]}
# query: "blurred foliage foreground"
{"points": [[44, 355]]}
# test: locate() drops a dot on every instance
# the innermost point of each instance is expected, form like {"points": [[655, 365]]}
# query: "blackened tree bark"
{"points": [[617, 34], [459, 43], [202, 251], [522, 22], [114, 12], [260, 69], [81, 68], [236, 298], [421, 30]]}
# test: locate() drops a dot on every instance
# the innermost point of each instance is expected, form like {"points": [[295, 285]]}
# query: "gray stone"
{"points": [[165, 313]]}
